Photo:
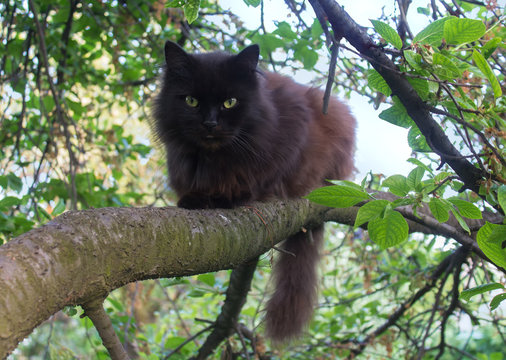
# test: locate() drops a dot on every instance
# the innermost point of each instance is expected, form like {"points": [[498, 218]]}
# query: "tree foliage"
{"points": [[76, 79]]}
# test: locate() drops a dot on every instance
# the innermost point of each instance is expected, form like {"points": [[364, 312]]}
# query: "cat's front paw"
{"points": [[199, 201], [193, 201]]}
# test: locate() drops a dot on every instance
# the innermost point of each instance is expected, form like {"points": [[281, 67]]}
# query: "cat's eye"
{"points": [[191, 101], [230, 103]]}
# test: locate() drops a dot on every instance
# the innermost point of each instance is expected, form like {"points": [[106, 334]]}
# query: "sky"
{"points": [[381, 146]]}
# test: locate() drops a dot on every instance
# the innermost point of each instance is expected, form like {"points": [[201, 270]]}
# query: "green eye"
{"points": [[191, 101], [230, 103]]}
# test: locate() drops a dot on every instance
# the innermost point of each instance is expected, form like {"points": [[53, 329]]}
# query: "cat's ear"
{"points": [[249, 57], [175, 55]]}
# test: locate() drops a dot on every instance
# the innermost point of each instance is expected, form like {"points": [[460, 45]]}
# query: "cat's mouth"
{"points": [[213, 141]]}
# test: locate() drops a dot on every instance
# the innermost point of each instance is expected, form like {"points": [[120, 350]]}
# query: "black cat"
{"points": [[235, 134]]}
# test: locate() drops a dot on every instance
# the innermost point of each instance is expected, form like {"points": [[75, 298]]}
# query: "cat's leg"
{"points": [[295, 276]]}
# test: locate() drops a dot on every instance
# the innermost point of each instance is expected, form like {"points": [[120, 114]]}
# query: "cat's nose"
{"points": [[210, 124]]}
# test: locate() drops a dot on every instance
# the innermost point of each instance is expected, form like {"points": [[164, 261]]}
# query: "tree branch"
{"points": [[444, 266], [95, 311], [238, 288], [416, 108], [82, 255]]}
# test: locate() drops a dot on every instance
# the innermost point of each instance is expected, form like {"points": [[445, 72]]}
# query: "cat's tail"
{"points": [[290, 308]]}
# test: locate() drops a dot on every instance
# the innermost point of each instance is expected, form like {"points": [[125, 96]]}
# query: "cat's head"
{"points": [[207, 99]]}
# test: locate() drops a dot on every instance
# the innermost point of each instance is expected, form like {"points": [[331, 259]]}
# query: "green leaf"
{"points": [[415, 177], [14, 182], [9, 201], [376, 82], [490, 239], [48, 102], [460, 220], [469, 293], [460, 30], [253, 3], [308, 56], [388, 231], [207, 279], [370, 211], [417, 162], [197, 292], [466, 209], [501, 196], [118, 305], [387, 33], [421, 87], [346, 183], [174, 281], [483, 65], [316, 29], [70, 310], [433, 33], [3, 181], [444, 67], [497, 300], [191, 10], [268, 43], [59, 208], [337, 196], [413, 59], [489, 48], [417, 141], [397, 184], [439, 209], [397, 114], [173, 342], [285, 30]]}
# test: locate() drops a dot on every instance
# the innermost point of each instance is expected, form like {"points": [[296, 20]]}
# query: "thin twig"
{"points": [[435, 307], [243, 343], [475, 130], [176, 310], [444, 181], [193, 337], [59, 110], [334, 50], [277, 248]]}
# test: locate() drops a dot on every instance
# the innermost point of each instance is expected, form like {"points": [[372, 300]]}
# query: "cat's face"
{"points": [[208, 99]]}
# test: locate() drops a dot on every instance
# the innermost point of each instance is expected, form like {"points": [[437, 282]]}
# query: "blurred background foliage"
{"points": [[76, 79]]}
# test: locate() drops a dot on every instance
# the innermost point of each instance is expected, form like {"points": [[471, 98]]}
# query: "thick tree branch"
{"points": [[83, 255]]}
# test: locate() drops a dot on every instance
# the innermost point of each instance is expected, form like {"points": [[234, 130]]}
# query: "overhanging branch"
{"points": [[416, 108]]}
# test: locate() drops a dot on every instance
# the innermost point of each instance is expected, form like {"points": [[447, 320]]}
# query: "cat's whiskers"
{"points": [[243, 141]]}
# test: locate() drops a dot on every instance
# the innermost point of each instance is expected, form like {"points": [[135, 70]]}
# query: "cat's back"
{"points": [[327, 141]]}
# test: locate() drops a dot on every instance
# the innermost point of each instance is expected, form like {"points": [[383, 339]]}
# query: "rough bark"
{"points": [[81, 256]]}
